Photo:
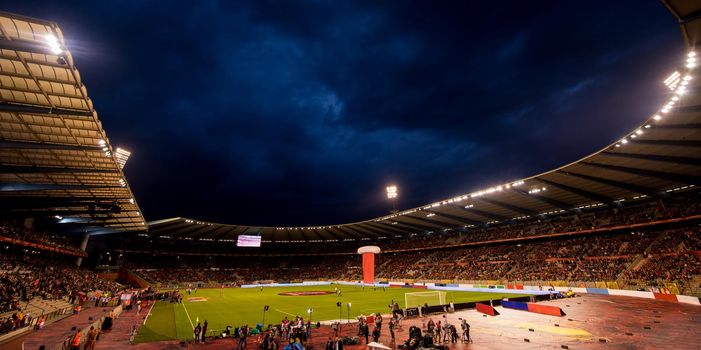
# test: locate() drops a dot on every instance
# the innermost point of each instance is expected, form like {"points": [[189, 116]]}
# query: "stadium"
{"points": [[602, 252]]}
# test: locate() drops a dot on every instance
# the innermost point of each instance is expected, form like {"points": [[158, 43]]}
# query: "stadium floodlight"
{"points": [[391, 192], [53, 43], [673, 80], [122, 156]]}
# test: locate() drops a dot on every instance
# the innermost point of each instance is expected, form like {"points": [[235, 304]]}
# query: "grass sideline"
{"points": [[239, 306]]}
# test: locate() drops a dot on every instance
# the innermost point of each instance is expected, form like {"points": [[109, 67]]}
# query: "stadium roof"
{"points": [[55, 157], [654, 160]]}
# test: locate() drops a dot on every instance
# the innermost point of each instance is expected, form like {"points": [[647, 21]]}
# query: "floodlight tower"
{"points": [[392, 196]]}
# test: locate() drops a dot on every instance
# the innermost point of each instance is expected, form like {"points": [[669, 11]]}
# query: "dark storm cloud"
{"points": [[295, 113]]}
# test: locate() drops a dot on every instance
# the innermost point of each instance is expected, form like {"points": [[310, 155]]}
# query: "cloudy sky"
{"points": [[300, 113]]}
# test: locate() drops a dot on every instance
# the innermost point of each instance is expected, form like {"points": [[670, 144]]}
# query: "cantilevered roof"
{"points": [[660, 157], [55, 157]]}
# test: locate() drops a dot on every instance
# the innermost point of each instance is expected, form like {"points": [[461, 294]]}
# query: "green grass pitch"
{"points": [[239, 306]]}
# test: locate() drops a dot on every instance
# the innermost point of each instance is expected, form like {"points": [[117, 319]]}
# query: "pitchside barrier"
{"points": [[560, 286]]}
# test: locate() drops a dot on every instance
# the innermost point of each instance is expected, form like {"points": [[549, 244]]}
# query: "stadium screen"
{"points": [[248, 241]]}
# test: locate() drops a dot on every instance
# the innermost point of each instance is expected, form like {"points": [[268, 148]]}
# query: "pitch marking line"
{"points": [[149, 312], [188, 316]]}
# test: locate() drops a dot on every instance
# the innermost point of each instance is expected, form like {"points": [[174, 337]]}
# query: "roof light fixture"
{"points": [[53, 43]]}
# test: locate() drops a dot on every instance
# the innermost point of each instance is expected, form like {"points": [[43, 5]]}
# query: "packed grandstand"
{"points": [[627, 217]]}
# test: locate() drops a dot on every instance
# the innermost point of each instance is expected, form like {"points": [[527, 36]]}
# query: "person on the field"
{"points": [[204, 330]]}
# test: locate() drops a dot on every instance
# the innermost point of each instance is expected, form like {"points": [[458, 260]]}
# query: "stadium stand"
{"points": [[37, 286], [626, 246]]}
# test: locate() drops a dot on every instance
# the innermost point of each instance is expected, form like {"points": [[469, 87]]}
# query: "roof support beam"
{"points": [[25, 46], [180, 230], [482, 213], [586, 194], [421, 226], [32, 169], [357, 231], [390, 228], [207, 231], [691, 108], [62, 199], [461, 220], [46, 213], [375, 231], [690, 18], [678, 126], [417, 228], [553, 202], [514, 208], [662, 175], [428, 220], [225, 230], [9, 144], [332, 234], [678, 143], [33, 109], [622, 185], [15, 187], [168, 230], [666, 159], [346, 230]]}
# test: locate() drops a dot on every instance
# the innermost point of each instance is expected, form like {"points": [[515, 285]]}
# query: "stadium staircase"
{"points": [[50, 310]]}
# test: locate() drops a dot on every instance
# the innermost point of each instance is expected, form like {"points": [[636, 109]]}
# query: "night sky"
{"points": [[300, 113]]}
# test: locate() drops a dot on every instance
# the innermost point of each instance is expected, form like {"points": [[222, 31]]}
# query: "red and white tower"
{"points": [[368, 253]]}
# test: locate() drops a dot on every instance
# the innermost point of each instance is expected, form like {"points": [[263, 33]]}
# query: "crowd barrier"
{"points": [[486, 309], [532, 307]]}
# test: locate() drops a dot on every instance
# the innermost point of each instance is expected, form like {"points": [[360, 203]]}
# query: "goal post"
{"points": [[420, 298]]}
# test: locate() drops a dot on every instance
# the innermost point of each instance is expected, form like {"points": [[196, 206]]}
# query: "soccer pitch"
{"points": [[239, 306]]}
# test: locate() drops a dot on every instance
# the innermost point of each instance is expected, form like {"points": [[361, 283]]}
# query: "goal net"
{"points": [[421, 298]]}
